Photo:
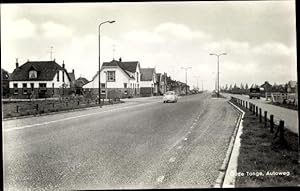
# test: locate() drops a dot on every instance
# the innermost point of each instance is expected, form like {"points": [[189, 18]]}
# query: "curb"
{"points": [[223, 175]]}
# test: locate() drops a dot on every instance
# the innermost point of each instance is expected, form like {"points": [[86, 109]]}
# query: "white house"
{"points": [[148, 82], [35, 79], [122, 78]]}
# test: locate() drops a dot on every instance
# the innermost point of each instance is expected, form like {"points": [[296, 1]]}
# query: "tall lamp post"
{"points": [[218, 55], [186, 68], [99, 59]]}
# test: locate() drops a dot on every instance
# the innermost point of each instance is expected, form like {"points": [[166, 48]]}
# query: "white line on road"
{"points": [[179, 147], [172, 159], [69, 118], [160, 178]]}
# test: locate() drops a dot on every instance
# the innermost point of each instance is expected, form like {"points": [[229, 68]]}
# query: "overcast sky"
{"points": [[259, 38]]}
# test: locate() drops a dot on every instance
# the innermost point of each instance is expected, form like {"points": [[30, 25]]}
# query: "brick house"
{"points": [[39, 79], [118, 78], [148, 82]]}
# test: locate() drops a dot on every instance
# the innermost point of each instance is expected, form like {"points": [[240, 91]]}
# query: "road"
{"points": [[289, 116], [142, 143]]}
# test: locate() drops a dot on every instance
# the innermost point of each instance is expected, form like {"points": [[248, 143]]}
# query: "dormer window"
{"points": [[32, 74]]}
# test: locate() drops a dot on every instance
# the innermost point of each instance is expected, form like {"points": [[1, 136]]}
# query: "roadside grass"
{"points": [[17, 109], [261, 153]]}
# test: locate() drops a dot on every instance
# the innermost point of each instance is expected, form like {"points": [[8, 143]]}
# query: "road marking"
{"points": [[69, 118], [160, 178], [179, 147], [172, 159]]}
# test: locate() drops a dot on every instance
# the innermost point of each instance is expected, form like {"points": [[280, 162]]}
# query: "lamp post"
{"points": [[218, 55], [99, 59], [186, 68]]}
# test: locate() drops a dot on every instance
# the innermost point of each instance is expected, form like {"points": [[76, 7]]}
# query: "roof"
{"points": [[81, 81], [147, 74], [125, 66], [46, 71], [72, 76], [4, 74]]}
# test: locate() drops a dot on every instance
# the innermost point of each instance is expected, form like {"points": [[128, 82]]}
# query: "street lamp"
{"points": [[218, 55], [186, 78], [99, 59]]}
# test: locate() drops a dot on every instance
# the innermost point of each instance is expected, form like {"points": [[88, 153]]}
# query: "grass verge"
{"points": [[264, 161]]}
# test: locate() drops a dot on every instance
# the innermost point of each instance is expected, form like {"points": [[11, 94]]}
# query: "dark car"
{"points": [[254, 93]]}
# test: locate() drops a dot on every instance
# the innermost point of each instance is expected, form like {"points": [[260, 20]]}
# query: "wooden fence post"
{"points": [[266, 118], [17, 109], [256, 111], [272, 123], [281, 131], [260, 115], [53, 105], [37, 106]]}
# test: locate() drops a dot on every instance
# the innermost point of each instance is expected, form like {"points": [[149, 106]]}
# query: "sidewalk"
{"points": [[289, 116]]}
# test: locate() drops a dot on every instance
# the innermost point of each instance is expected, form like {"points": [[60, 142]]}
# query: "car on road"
{"points": [[254, 92], [170, 96]]}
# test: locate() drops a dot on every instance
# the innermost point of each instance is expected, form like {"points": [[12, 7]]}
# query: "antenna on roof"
{"points": [[51, 52]]}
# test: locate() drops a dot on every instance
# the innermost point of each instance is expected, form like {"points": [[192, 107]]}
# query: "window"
{"points": [[125, 85], [63, 76], [42, 85], [103, 91], [24, 88], [15, 88], [57, 76], [111, 76], [32, 74], [137, 77], [102, 85]]}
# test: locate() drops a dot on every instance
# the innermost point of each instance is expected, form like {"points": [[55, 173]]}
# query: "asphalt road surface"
{"points": [[142, 143]]}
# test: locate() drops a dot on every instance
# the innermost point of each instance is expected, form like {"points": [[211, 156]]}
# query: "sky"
{"points": [[259, 38]]}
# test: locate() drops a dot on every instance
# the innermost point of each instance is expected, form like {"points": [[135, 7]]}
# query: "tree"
{"points": [[230, 87], [246, 86]]}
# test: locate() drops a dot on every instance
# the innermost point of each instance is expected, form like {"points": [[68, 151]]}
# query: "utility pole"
{"points": [[218, 55], [186, 68]]}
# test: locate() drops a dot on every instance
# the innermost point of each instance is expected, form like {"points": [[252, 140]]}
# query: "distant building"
{"points": [[292, 86], [117, 77], [267, 86], [4, 82], [79, 83], [148, 82], [39, 79]]}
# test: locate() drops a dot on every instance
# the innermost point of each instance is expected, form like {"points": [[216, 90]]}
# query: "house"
{"points": [[4, 82], [72, 82], [267, 86], [162, 83], [117, 78], [79, 83], [39, 79], [148, 85]]}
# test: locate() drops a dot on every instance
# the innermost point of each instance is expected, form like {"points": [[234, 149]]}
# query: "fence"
{"points": [[263, 118]]}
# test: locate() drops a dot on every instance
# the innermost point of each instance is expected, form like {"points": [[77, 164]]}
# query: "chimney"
{"points": [[120, 59], [73, 71], [63, 65], [17, 64]]}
